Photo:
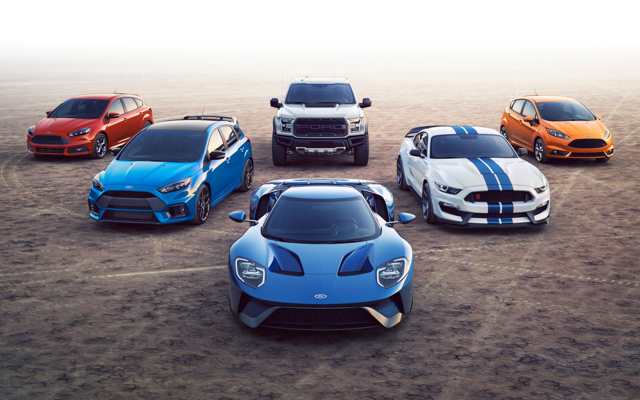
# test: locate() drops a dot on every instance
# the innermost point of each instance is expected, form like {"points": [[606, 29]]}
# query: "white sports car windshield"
{"points": [[471, 146]]}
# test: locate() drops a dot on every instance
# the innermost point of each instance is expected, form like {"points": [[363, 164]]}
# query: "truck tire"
{"points": [[361, 153], [278, 153]]}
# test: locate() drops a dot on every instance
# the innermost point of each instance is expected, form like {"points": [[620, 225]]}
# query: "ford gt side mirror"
{"points": [[275, 103], [217, 155], [415, 153], [366, 102], [403, 218], [522, 151], [241, 216]]}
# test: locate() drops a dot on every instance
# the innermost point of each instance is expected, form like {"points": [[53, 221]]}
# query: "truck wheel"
{"points": [[278, 153], [361, 153]]}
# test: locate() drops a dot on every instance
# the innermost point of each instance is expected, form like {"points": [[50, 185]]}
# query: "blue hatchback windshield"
{"points": [[321, 221], [80, 108], [568, 110], [470, 146], [320, 94], [164, 145]]}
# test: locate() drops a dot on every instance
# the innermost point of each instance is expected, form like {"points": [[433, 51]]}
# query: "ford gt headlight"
{"points": [[175, 186], [31, 129], [249, 272], [447, 189], [606, 135], [558, 134], [95, 182], [80, 132], [392, 272], [355, 124]]}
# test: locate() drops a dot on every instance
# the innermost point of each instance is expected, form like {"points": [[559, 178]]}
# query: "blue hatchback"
{"points": [[321, 255], [174, 171]]}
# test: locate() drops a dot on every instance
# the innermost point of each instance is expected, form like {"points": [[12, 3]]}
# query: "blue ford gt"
{"points": [[321, 255], [174, 171]]}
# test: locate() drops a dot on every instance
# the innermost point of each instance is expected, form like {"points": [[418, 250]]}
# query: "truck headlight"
{"points": [[80, 132], [447, 189], [355, 124], [95, 182], [285, 124], [249, 272], [558, 134], [392, 272], [175, 186]]}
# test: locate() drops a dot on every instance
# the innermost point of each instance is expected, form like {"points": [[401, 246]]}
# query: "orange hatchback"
{"points": [[556, 127]]}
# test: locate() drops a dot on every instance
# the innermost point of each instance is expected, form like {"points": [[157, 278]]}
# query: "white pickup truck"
{"points": [[320, 117]]}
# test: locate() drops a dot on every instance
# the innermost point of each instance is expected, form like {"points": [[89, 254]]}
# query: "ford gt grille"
{"points": [[320, 127], [48, 139], [320, 318], [588, 143], [499, 196]]}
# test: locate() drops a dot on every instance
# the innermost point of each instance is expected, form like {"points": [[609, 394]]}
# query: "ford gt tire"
{"points": [[401, 180], [203, 206], [427, 206]]}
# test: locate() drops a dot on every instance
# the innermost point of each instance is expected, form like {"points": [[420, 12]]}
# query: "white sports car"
{"points": [[468, 175]]}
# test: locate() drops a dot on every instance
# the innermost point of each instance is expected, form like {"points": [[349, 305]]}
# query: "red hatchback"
{"points": [[89, 125]]}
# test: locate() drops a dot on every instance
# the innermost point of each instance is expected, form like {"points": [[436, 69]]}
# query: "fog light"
{"points": [[178, 211], [93, 208], [78, 149]]}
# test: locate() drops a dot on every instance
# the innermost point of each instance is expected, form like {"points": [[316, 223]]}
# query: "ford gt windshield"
{"points": [[80, 108], [320, 94], [163, 145], [568, 110], [321, 221], [471, 146]]}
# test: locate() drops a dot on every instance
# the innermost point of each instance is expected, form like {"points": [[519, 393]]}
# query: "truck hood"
{"points": [[579, 129], [463, 173], [61, 126], [147, 173], [339, 111]]}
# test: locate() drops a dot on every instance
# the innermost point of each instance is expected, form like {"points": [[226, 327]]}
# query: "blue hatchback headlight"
{"points": [[249, 272], [95, 182], [392, 272], [175, 186]]}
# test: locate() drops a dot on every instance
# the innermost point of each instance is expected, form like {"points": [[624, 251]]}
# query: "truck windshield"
{"points": [[80, 108], [321, 221], [320, 94]]}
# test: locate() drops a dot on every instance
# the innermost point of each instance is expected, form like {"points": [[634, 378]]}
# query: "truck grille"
{"points": [[587, 143], [48, 139], [320, 127], [499, 196]]}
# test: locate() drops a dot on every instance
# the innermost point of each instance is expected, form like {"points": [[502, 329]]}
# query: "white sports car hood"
{"points": [[339, 111], [492, 173]]}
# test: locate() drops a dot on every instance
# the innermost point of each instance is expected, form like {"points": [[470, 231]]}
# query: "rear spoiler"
{"points": [[211, 118], [413, 131]]}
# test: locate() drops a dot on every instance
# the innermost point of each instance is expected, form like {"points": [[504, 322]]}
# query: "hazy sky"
{"points": [[250, 34]]}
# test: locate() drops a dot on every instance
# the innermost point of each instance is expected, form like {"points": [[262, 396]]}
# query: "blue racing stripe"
{"points": [[459, 130], [507, 208], [488, 175], [493, 221], [470, 129], [494, 208], [505, 182]]}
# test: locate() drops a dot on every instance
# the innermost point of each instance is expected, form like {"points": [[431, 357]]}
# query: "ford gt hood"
{"points": [[147, 173], [302, 111], [579, 129], [463, 173], [61, 126]]}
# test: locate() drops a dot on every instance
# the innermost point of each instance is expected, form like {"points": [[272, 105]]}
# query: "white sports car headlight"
{"points": [[249, 272], [447, 189], [542, 189], [175, 186], [392, 272]]}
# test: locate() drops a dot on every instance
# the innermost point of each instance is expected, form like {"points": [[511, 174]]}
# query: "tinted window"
{"points": [[470, 146], [80, 108], [162, 145], [566, 110], [320, 94], [215, 142], [138, 102], [116, 107], [129, 103], [229, 135], [517, 106], [529, 110], [321, 221]]}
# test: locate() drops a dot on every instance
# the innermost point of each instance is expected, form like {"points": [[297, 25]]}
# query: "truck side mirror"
{"points": [[366, 102], [275, 103]]}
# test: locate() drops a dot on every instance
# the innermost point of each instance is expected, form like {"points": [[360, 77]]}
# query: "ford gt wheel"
{"points": [[100, 145], [400, 178], [539, 151], [247, 176], [427, 206], [203, 206]]}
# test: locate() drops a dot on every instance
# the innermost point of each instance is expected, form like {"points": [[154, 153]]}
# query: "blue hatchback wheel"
{"points": [[203, 206]]}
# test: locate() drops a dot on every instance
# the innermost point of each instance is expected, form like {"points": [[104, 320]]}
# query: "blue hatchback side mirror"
{"points": [[238, 216], [405, 218]]}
